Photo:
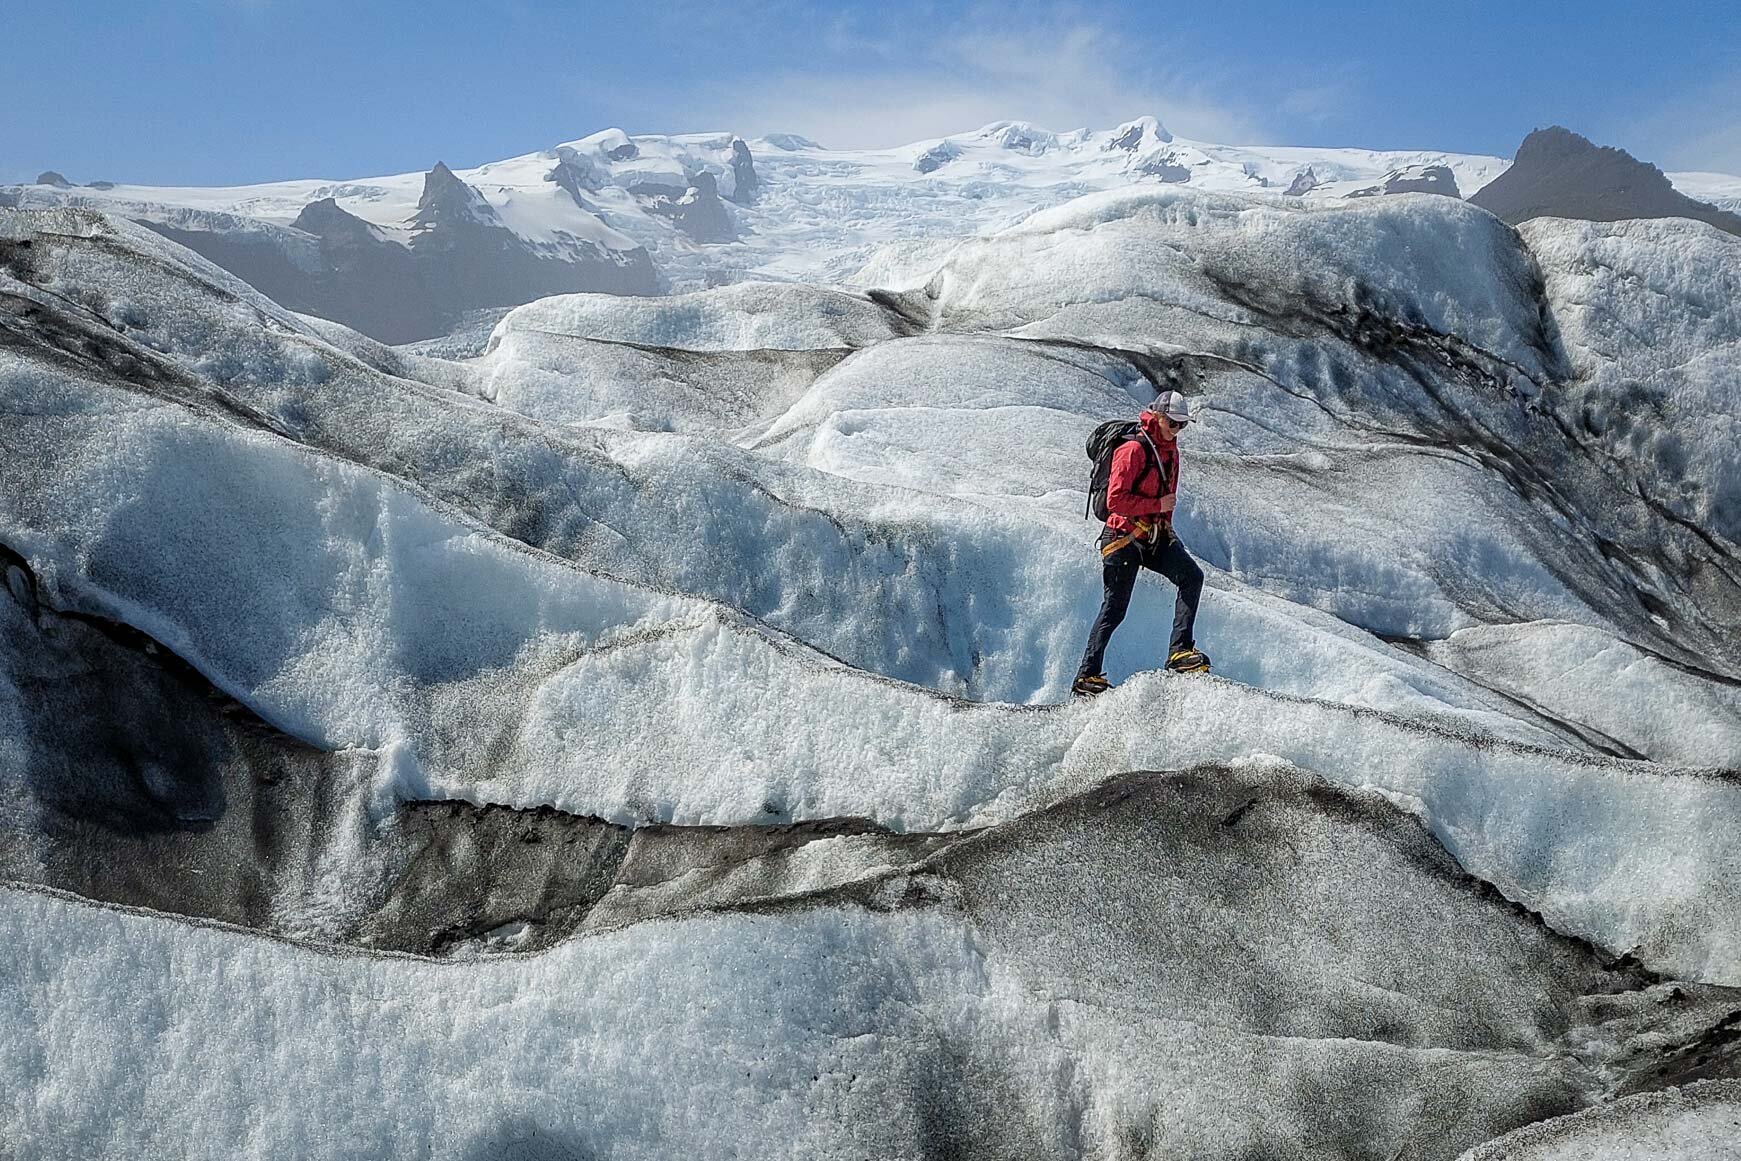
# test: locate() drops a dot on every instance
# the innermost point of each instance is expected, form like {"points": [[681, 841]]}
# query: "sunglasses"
{"points": [[1181, 424]]}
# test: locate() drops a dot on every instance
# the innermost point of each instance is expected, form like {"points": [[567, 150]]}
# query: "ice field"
{"points": [[652, 737]]}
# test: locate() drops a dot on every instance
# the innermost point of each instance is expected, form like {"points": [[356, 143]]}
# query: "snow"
{"points": [[775, 551], [1584, 674], [744, 317], [685, 626], [1701, 1122], [1722, 190], [1668, 411], [823, 214], [947, 1002]]}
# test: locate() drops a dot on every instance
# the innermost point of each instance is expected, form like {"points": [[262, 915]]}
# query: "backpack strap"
{"points": [[1154, 457]]}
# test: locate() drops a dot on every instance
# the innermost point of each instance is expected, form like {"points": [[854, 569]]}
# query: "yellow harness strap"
{"points": [[1121, 542]]}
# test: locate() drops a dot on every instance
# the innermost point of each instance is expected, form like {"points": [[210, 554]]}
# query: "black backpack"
{"points": [[1103, 441]]}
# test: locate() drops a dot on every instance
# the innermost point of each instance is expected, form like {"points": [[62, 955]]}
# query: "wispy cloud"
{"points": [[1699, 130], [1318, 104], [1054, 69]]}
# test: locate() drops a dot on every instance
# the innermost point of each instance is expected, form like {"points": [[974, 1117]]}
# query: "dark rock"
{"points": [[627, 151], [1433, 179], [745, 184], [698, 212], [1430, 179], [937, 157], [1304, 182], [449, 201], [102, 185], [1559, 174], [1166, 167], [573, 178], [1128, 140], [461, 259], [1130, 137], [50, 177], [652, 190], [370, 282]]}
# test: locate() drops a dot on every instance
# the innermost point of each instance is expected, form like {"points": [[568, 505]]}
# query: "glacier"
{"points": [[650, 736]]}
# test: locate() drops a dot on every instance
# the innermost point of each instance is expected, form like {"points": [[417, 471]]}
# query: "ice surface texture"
{"points": [[780, 555], [1191, 963]]}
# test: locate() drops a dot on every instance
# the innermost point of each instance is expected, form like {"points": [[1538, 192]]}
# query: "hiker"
{"points": [[1140, 464]]}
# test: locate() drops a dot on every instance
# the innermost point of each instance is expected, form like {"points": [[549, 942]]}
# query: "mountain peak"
{"points": [[447, 200], [1136, 135], [1561, 174]]}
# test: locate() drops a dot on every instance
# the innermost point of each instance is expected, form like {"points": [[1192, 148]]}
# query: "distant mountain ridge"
{"points": [[407, 257]]}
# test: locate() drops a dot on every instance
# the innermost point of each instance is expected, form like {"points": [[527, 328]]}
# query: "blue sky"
{"points": [[224, 91]]}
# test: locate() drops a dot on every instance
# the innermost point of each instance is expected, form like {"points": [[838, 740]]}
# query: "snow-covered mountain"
{"points": [[607, 211], [640, 214], [651, 737]]}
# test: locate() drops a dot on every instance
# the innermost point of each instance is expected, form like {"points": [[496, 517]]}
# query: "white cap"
{"points": [[1172, 405]]}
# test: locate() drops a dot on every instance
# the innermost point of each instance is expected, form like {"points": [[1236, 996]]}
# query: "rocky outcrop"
{"points": [[461, 258], [1304, 183], [1166, 166], [745, 183], [1128, 138], [1558, 174], [368, 281], [698, 211], [448, 201], [573, 177], [937, 157], [1133, 136], [1428, 179], [50, 177], [1020, 137]]}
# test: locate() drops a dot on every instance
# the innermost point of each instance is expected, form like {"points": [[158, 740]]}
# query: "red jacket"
{"points": [[1135, 488]]}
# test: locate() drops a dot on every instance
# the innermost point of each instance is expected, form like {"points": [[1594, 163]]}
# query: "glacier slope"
{"points": [[530, 646], [808, 573]]}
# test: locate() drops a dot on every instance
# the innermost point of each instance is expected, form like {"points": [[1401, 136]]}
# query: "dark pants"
{"points": [[1119, 570]]}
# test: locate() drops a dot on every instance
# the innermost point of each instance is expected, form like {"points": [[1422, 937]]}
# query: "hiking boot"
{"points": [[1188, 661], [1089, 686]]}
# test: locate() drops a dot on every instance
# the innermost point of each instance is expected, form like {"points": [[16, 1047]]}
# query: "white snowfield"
{"points": [[874, 218], [774, 553], [817, 214]]}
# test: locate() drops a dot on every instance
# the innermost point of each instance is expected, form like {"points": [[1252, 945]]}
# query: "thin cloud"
{"points": [[1060, 75], [1318, 104], [1701, 130]]}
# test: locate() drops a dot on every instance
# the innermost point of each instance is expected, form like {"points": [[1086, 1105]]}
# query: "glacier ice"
{"points": [[651, 577]]}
